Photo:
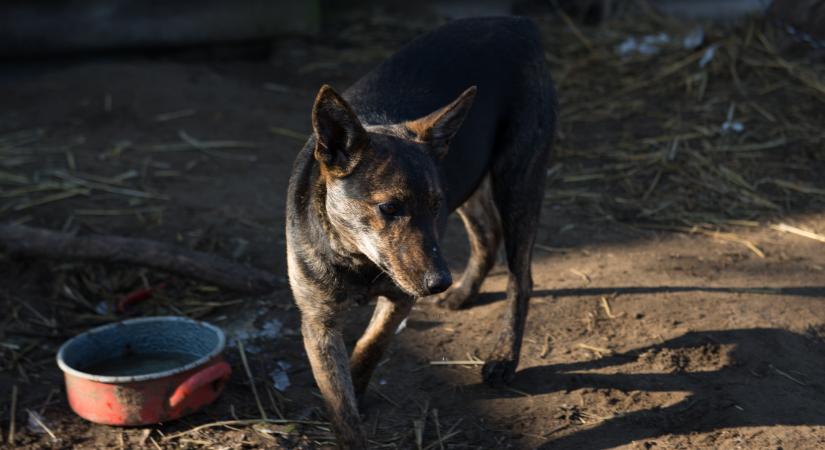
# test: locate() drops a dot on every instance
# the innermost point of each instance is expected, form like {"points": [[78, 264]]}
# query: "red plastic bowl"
{"points": [[144, 371]]}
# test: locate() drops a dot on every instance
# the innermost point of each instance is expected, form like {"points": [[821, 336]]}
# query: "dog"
{"points": [[461, 119]]}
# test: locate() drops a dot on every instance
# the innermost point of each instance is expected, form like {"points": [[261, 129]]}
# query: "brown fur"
{"points": [[357, 172], [385, 320], [370, 193], [426, 129]]}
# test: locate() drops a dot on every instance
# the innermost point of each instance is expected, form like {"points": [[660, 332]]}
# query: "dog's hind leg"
{"points": [[367, 353], [483, 226], [518, 189]]}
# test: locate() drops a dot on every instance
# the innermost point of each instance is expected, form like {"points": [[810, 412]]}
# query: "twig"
{"points": [[458, 362], [608, 311], [185, 146], [418, 430], [251, 380], [438, 429], [798, 231], [119, 212], [13, 413], [546, 434], [185, 137], [581, 274], [386, 398], [606, 307], [787, 375], [549, 249], [224, 423], [599, 350], [164, 117], [442, 440], [730, 237], [547, 346], [36, 418], [273, 402], [155, 443], [516, 391], [51, 198], [106, 188], [286, 132], [572, 26]]}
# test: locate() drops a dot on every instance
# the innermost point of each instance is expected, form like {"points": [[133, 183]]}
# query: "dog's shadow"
{"points": [[763, 377]]}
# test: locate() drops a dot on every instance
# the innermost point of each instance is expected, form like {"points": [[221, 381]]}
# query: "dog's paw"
{"points": [[498, 372], [453, 298]]}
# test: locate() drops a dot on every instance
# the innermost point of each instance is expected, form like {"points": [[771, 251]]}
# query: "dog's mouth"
{"points": [[431, 283], [415, 273], [405, 285]]}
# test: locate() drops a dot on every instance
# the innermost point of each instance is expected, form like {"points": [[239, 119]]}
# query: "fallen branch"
{"points": [[19, 240]]}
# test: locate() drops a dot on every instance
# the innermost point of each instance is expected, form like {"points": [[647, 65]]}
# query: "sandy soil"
{"points": [[636, 338]]}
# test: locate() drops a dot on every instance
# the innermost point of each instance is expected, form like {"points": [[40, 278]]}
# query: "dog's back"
{"points": [[461, 119], [502, 56]]}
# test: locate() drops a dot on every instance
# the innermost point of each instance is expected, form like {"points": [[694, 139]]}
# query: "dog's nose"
{"points": [[438, 281]]}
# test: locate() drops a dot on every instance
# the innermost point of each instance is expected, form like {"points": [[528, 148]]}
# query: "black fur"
{"points": [[395, 153]]}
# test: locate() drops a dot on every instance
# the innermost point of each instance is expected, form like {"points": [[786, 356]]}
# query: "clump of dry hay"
{"points": [[652, 139]]}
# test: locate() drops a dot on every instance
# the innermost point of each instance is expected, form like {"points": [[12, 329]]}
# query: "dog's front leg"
{"points": [[387, 316], [328, 357]]}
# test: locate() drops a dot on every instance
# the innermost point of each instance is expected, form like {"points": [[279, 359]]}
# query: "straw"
{"points": [[642, 138], [13, 414], [251, 381]]}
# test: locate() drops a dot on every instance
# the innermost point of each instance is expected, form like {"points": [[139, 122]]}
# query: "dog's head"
{"points": [[383, 192]]}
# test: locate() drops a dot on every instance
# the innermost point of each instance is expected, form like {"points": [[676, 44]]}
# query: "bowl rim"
{"points": [[111, 379]]}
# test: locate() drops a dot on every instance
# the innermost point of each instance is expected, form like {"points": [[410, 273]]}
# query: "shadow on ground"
{"points": [[486, 298], [760, 381], [751, 391]]}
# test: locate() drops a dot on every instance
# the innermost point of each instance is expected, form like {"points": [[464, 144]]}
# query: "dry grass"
{"points": [[642, 139]]}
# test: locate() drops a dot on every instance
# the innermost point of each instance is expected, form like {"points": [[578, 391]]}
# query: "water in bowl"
{"points": [[135, 364]]}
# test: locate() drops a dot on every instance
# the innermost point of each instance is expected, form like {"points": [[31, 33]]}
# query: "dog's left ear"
{"points": [[339, 136], [439, 127]]}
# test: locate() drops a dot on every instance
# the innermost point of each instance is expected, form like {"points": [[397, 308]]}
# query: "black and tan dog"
{"points": [[388, 161]]}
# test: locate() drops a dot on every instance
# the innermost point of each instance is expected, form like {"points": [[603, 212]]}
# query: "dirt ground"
{"points": [[637, 338]]}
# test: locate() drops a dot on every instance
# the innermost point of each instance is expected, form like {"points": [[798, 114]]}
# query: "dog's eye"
{"points": [[389, 208]]}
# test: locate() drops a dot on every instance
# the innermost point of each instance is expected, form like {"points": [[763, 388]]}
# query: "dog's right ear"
{"points": [[439, 127], [339, 136]]}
